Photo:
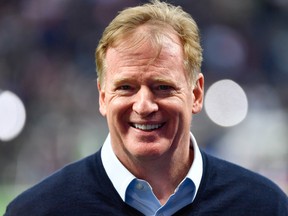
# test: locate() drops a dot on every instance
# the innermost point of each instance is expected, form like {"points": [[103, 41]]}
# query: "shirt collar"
{"points": [[116, 171], [196, 170], [121, 177]]}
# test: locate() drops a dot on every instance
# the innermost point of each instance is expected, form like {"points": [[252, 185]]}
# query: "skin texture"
{"points": [[149, 103]]}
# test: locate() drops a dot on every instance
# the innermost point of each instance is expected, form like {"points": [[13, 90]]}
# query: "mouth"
{"points": [[147, 127]]}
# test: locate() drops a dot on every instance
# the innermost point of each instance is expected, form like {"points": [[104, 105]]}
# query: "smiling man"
{"points": [[150, 86], [148, 100]]}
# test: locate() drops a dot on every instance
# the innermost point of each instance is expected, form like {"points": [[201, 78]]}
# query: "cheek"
{"points": [[117, 108], [183, 111], [181, 105]]}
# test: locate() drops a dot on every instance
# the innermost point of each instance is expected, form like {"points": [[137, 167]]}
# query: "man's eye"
{"points": [[125, 87], [164, 87]]}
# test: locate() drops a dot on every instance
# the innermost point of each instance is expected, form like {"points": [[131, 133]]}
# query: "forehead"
{"points": [[146, 55], [146, 43], [146, 66]]}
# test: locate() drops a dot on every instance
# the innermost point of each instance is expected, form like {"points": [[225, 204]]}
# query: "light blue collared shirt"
{"points": [[139, 194]]}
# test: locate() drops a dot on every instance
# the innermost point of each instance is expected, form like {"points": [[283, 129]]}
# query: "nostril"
{"points": [[145, 107]]}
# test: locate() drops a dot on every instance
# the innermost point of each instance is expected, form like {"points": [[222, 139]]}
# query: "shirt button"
{"points": [[139, 186]]}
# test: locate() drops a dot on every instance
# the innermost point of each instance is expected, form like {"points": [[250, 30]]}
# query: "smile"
{"points": [[147, 127]]}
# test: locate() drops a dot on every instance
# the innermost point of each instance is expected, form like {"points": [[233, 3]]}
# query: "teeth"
{"points": [[147, 126]]}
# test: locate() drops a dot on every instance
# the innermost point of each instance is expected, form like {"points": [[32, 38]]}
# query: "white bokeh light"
{"points": [[12, 115], [226, 103]]}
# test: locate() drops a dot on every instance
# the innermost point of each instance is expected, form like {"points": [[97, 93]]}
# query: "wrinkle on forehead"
{"points": [[156, 36], [146, 49]]}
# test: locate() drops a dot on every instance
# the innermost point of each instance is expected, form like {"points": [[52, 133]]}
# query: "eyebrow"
{"points": [[163, 80], [121, 80]]}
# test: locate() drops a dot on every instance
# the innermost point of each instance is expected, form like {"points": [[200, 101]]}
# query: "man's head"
{"points": [[149, 82], [159, 17]]}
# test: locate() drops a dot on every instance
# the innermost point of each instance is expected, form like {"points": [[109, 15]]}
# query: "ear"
{"points": [[102, 104], [198, 94]]}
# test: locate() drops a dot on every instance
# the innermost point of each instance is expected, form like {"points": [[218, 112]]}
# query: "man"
{"points": [[150, 85]]}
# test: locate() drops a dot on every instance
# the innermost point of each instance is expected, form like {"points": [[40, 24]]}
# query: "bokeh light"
{"points": [[226, 103], [12, 115]]}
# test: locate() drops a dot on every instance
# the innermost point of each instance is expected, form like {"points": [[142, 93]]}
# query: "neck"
{"points": [[164, 176]]}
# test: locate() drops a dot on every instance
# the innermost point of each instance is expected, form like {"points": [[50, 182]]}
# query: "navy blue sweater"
{"points": [[83, 188]]}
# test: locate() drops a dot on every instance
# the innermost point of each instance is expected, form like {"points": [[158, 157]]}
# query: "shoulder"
{"points": [[224, 172], [240, 187], [69, 183]]}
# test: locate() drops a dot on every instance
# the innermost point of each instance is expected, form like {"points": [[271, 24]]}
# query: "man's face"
{"points": [[147, 100]]}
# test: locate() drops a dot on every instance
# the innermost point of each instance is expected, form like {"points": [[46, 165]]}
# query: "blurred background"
{"points": [[47, 66]]}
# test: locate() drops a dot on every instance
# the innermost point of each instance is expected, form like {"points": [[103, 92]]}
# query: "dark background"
{"points": [[47, 59]]}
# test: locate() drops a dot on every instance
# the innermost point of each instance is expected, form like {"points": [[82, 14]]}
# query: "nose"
{"points": [[145, 103]]}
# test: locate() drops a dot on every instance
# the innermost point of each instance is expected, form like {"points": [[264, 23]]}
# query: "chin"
{"points": [[149, 150]]}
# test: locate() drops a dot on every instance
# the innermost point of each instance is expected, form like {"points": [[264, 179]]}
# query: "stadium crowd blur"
{"points": [[47, 59]]}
